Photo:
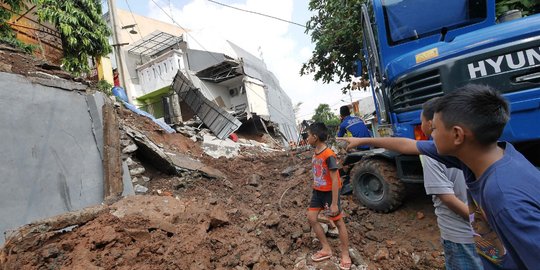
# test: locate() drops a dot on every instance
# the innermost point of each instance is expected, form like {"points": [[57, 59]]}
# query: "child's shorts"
{"points": [[321, 198]]}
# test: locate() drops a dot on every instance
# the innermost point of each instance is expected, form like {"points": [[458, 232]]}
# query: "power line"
{"points": [[133, 16], [258, 13], [185, 31]]}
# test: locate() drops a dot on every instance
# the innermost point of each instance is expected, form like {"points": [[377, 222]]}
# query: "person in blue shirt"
{"points": [[449, 192], [352, 126], [503, 184]]}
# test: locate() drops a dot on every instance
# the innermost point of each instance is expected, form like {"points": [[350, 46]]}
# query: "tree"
{"points": [[83, 31], [527, 7], [7, 35], [82, 28], [324, 114], [337, 33]]}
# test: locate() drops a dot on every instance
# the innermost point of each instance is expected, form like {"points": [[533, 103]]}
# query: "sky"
{"points": [[284, 47]]}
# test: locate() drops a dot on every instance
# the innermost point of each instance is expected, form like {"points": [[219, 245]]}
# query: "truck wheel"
{"points": [[376, 185]]}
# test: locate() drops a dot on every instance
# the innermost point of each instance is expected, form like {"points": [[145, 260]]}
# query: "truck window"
{"points": [[412, 19]]}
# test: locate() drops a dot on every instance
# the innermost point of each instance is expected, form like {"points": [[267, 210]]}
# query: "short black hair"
{"points": [[428, 108], [320, 130], [344, 111], [477, 107]]}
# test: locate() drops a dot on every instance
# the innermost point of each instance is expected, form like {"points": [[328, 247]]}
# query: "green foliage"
{"points": [[105, 87], [527, 7], [6, 33], [83, 31], [82, 28], [337, 33], [324, 114]]}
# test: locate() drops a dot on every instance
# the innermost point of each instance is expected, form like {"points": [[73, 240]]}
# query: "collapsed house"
{"points": [[237, 85]]}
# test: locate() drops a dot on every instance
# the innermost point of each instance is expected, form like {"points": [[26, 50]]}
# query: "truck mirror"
{"points": [[358, 68]]}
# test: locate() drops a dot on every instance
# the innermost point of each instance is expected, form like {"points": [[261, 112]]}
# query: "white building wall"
{"points": [[256, 98], [159, 72]]}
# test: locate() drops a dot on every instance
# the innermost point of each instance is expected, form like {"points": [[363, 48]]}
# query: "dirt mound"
{"points": [[236, 222], [252, 219]]}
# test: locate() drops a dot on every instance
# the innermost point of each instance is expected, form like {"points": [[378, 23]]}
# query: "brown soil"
{"points": [[173, 142], [252, 219], [222, 224]]}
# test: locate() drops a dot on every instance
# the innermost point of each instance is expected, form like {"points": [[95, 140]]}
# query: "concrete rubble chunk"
{"points": [[130, 162], [140, 189], [251, 256], [357, 259], [283, 245], [218, 218], [125, 142], [168, 162], [382, 254], [416, 258], [272, 220], [254, 180], [216, 148], [288, 171], [137, 171], [371, 235], [129, 149]]}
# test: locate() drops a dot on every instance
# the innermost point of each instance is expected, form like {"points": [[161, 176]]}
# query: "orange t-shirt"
{"points": [[321, 174]]}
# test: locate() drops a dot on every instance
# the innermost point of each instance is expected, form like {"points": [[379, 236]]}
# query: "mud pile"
{"points": [[253, 218]]}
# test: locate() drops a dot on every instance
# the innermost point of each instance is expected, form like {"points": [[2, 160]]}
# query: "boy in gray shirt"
{"points": [[447, 185]]}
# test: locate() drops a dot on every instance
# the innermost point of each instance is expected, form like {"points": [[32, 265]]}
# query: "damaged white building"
{"points": [[234, 82]]}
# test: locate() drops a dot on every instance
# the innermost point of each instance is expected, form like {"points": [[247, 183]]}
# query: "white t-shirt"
{"points": [[439, 179]]}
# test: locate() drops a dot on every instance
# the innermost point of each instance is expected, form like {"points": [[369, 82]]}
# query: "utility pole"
{"points": [[116, 45]]}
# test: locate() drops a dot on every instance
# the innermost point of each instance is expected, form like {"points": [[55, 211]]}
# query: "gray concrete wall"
{"points": [[50, 150]]}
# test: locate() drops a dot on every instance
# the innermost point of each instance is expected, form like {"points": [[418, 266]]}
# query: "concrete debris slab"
{"points": [[288, 171], [216, 148], [25, 235], [50, 163], [58, 83], [126, 179], [168, 162]]}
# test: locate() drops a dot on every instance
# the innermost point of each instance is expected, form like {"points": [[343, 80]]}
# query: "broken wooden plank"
{"points": [[112, 161]]}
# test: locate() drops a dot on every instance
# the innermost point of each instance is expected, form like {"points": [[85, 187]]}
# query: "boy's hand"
{"points": [[334, 210], [352, 142]]}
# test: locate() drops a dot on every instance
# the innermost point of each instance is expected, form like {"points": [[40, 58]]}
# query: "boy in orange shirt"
{"points": [[325, 196]]}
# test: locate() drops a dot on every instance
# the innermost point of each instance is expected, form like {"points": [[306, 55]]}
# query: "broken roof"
{"points": [[214, 67], [219, 121], [154, 43]]}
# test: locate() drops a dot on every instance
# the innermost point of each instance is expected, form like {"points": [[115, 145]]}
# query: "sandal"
{"points": [[345, 266], [320, 256]]}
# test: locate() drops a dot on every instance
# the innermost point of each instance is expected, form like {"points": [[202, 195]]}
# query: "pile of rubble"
{"points": [[204, 203], [251, 217]]}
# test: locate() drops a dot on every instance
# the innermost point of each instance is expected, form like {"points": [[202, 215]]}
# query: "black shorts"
{"points": [[321, 198]]}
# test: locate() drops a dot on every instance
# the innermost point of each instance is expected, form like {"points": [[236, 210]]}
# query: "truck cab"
{"points": [[415, 50]]}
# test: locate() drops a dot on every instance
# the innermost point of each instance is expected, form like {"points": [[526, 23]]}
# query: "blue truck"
{"points": [[415, 50]]}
